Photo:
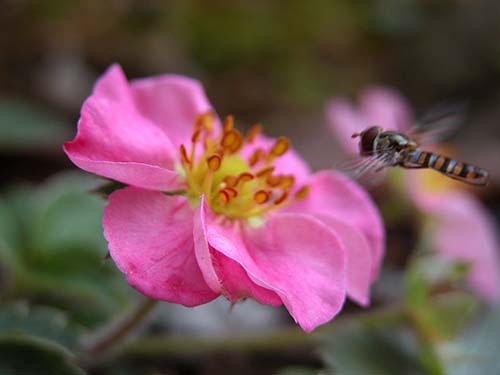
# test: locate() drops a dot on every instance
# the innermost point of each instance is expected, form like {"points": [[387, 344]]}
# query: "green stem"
{"points": [[172, 345], [106, 340]]}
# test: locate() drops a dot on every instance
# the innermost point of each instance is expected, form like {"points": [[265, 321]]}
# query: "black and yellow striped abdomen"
{"points": [[450, 167]]}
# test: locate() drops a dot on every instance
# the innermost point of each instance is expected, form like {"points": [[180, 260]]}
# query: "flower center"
{"points": [[235, 186]]}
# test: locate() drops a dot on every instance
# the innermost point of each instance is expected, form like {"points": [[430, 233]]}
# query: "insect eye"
{"points": [[367, 139]]}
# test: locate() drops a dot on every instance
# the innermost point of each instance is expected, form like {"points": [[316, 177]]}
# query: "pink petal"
{"points": [[150, 239], [334, 194], [224, 275], [115, 141], [465, 231], [294, 255], [289, 163], [358, 258], [386, 107], [344, 120], [172, 103]]}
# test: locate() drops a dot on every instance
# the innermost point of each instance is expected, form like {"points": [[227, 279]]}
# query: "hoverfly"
{"points": [[380, 149]]}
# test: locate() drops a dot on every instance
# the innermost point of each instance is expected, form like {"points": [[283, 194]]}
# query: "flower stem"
{"points": [[103, 341], [172, 345]]}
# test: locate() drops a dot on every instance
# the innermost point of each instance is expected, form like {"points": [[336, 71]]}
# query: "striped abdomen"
{"points": [[449, 167]]}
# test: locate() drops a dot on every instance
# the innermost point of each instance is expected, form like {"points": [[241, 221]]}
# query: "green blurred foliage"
{"points": [[475, 351], [256, 59], [25, 355], [21, 319], [360, 349], [52, 249], [28, 129]]}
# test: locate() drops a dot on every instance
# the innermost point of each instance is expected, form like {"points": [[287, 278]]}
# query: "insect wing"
{"points": [[366, 165], [439, 124]]}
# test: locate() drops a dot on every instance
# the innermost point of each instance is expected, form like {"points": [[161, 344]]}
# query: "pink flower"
{"points": [[211, 212], [464, 231]]}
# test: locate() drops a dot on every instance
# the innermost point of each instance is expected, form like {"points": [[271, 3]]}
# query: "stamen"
{"points": [[184, 155], [232, 192], [302, 192], [207, 120], [287, 181], [230, 180], [281, 198], [228, 123], [198, 121], [214, 162], [280, 146], [244, 177], [196, 136], [264, 172], [232, 140], [261, 196], [274, 180], [257, 155], [224, 197], [253, 132], [235, 188]]}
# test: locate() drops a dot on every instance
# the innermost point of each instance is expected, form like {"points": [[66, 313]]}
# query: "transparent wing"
{"points": [[363, 165], [440, 123]]}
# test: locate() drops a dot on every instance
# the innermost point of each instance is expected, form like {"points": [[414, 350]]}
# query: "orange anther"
{"points": [[261, 196], [228, 138], [236, 145], [281, 198], [287, 181], [184, 155], [228, 123], [198, 121], [214, 162], [244, 177], [220, 152], [196, 136], [274, 180], [280, 146], [224, 197], [232, 191], [205, 120], [257, 155], [232, 140], [302, 192], [264, 172], [230, 180], [253, 132]]}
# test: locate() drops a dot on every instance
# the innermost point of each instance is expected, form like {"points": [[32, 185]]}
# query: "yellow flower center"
{"points": [[235, 187]]}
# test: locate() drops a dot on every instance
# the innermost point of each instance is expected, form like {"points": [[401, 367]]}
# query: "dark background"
{"points": [[275, 62]]}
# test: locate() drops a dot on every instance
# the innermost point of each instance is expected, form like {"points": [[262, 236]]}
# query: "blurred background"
{"points": [[273, 62]]}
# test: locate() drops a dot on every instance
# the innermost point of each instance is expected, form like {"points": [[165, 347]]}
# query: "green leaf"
{"points": [[39, 321], [446, 315], [438, 310], [358, 349], [58, 249], [26, 128], [476, 350], [72, 221], [9, 258], [30, 355], [89, 299]]}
